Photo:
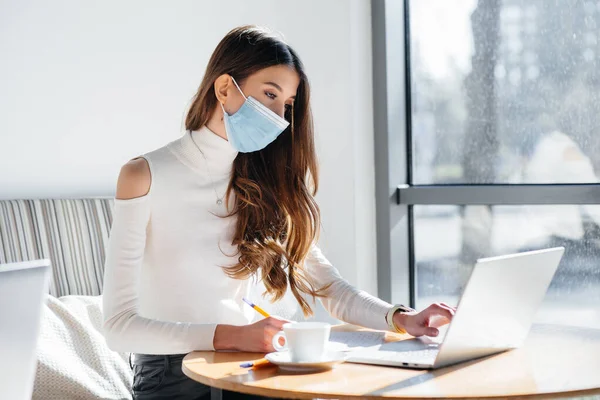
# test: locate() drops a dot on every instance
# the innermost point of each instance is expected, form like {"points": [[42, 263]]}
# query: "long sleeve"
{"points": [[124, 329], [344, 301]]}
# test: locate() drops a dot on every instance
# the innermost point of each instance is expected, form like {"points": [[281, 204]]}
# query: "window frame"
{"points": [[395, 193]]}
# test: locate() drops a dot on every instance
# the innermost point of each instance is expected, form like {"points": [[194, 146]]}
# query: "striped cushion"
{"points": [[72, 233]]}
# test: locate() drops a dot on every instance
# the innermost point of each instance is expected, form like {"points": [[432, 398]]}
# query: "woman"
{"points": [[230, 200]]}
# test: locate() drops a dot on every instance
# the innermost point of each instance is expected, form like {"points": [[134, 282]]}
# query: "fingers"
{"points": [[432, 332], [276, 323], [271, 326], [424, 331], [439, 309], [437, 321], [268, 347], [447, 306], [280, 319]]}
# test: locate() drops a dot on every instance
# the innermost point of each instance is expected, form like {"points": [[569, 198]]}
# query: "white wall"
{"points": [[84, 86]]}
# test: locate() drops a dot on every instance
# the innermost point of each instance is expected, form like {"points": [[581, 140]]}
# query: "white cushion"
{"points": [[74, 361]]}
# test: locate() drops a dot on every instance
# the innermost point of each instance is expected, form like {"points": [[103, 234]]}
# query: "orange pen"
{"points": [[256, 364]]}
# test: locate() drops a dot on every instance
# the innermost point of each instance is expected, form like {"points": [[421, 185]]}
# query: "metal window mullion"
{"points": [[391, 150], [498, 194]]}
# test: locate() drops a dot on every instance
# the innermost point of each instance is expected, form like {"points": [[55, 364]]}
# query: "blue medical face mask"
{"points": [[254, 126]]}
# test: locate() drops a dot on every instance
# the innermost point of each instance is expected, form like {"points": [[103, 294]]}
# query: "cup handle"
{"points": [[275, 341]]}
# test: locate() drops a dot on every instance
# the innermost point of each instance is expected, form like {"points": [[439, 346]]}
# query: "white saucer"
{"points": [[283, 360]]}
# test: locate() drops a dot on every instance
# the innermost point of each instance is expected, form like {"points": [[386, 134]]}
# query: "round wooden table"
{"points": [[555, 362]]}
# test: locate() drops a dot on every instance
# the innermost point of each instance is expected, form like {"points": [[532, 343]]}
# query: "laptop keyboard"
{"points": [[398, 353], [415, 356]]}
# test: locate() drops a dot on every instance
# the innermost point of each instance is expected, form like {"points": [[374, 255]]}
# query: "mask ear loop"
{"points": [[238, 88], [236, 85]]}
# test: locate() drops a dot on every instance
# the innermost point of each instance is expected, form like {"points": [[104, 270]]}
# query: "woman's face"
{"points": [[275, 87]]}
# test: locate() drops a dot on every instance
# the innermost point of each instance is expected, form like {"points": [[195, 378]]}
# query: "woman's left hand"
{"points": [[426, 322]]}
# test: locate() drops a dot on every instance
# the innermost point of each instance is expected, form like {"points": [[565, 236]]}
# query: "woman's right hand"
{"points": [[253, 338]]}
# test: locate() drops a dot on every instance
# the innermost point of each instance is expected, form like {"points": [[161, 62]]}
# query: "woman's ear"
{"points": [[221, 85]]}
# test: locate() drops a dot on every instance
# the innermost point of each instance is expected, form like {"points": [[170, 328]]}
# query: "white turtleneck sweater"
{"points": [[164, 288]]}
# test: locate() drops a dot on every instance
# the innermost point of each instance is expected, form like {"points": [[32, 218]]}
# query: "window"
{"points": [[448, 240], [496, 149], [505, 91]]}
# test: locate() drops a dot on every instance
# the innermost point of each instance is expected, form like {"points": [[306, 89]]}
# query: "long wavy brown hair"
{"points": [[277, 217]]}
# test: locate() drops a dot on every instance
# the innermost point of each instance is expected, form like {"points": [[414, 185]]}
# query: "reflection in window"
{"points": [[505, 91], [449, 239]]}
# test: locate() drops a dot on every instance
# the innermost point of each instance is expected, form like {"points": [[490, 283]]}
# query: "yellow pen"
{"points": [[257, 308], [262, 361]]}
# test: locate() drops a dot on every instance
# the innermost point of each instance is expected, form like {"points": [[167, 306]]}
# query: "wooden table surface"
{"points": [[556, 361]]}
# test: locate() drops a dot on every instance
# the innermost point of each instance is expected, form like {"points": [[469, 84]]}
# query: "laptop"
{"points": [[495, 313], [23, 290]]}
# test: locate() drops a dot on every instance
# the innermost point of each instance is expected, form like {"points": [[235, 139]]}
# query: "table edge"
{"points": [[292, 394]]}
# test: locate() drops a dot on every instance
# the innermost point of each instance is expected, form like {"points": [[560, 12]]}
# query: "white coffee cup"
{"points": [[306, 341]]}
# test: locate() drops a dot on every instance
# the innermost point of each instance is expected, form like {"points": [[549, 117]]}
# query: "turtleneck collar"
{"points": [[218, 152]]}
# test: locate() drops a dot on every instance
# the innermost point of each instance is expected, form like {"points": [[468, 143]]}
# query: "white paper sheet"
{"points": [[350, 341]]}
